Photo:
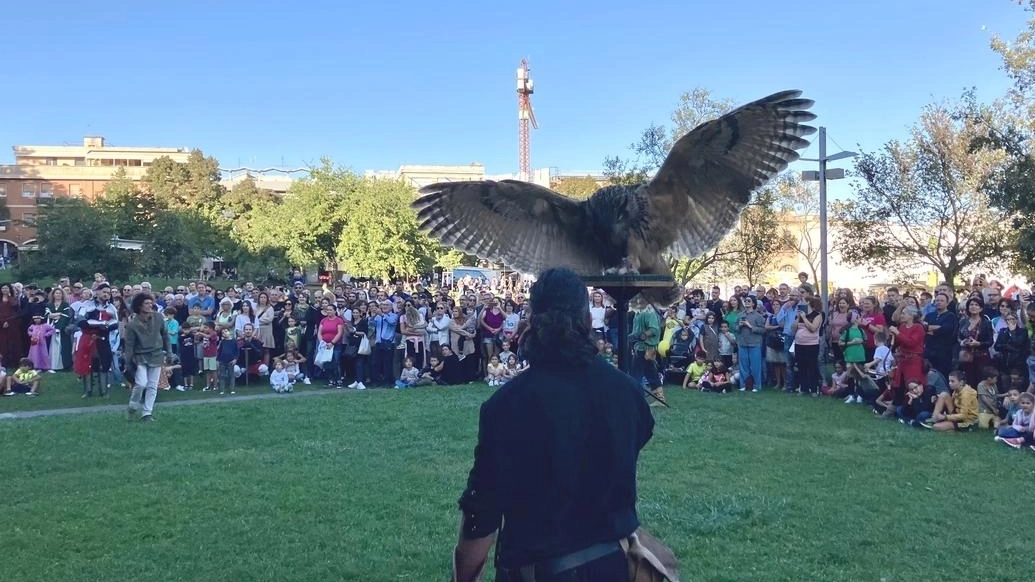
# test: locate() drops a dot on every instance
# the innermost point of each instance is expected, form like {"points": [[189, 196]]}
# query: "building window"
{"points": [[28, 190], [46, 190], [29, 218], [3, 191], [52, 161], [75, 191]]}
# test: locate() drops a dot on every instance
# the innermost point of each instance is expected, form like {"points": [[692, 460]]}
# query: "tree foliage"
{"points": [[797, 204], [577, 187], [1007, 126], [749, 249], [922, 203], [193, 185], [74, 238]]}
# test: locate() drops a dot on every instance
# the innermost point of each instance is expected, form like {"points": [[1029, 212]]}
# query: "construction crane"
{"points": [[526, 116]]}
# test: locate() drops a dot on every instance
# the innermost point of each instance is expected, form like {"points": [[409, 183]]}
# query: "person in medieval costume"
{"points": [[93, 355], [40, 333], [59, 314]]}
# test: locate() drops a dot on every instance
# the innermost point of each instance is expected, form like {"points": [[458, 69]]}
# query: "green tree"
{"points": [[382, 238], [750, 247], [193, 184], [921, 203], [74, 238], [1007, 126], [130, 211], [308, 225], [577, 187], [177, 243]]}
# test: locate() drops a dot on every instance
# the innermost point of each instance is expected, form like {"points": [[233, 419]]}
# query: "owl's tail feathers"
{"points": [[660, 297]]}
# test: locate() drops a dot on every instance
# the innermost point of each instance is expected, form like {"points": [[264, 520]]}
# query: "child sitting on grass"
{"points": [[1022, 430], [988, 405], [838, 387], [918, 405], [506, 353], [279, 379], [432, 373], [958, 412], [409, 375], [25, 380], [717, 379], [495, 372], [695, 371]]}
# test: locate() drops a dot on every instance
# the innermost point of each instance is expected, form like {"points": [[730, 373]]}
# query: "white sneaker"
{"points": [[354, 385], [360, 386], [850, 399], [858, 399], [181, 389], [743, 390], [51, 372], [307, 382]]}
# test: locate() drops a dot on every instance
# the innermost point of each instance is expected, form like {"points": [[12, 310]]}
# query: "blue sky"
{"points": [[376, 85]]}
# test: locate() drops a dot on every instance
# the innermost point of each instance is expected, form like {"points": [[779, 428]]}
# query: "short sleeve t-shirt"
{"points": [[329, 327]]}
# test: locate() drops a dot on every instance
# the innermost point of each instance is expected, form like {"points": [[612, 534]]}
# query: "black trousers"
{"points": [[808, 367], [613, 567]]}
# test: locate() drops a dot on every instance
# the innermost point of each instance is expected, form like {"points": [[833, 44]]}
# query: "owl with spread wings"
{"points": [[692, 201]]}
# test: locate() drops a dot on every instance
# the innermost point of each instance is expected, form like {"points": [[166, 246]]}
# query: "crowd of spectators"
{"points": [[954, 359]]}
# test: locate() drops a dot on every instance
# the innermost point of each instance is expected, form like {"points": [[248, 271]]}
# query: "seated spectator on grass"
{"points": [[988, 403], [25, 380], [918, 406], [958, 413], [1022, 428], [432, 373], [408, 376], [695, 371], [717, 379], [838, 387], [279, 381]]}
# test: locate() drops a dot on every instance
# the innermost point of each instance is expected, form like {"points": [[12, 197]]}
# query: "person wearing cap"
{"points": [[147, 349], [555, 461]]}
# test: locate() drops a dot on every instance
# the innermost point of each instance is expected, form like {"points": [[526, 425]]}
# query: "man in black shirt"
{"points": [[555, 463]]}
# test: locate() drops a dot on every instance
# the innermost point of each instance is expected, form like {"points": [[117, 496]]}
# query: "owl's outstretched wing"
{"points": [[527, 227], [708, 177]]}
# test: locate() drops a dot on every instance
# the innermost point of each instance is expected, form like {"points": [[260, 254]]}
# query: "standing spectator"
{"points": [[872, 322], [12, 346], [264, 315], [750, 331], [840, 318], [806, 346], [59, 314], [975, 338], [384, 322], [147, 349], [1011, 347], [942, 326], [909, 355]]}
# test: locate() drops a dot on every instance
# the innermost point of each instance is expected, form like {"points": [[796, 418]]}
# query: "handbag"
{"points": [[649, 559], [350, 350], [364, 347], [324, 354], [775, 341], [966, 356]]}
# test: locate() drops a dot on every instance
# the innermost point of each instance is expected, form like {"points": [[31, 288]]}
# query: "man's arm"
{"points": [[480, 517]]}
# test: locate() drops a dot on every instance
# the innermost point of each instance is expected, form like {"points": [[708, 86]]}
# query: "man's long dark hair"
{"points": [[559, 329]]}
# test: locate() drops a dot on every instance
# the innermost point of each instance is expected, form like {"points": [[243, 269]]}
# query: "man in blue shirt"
{"points": [[384, 324], [787, 317], [206, 302]]}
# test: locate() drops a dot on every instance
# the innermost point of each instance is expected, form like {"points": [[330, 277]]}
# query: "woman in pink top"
{"points": [[491, 325], [806, 346], [840, 318], [331, 331]]}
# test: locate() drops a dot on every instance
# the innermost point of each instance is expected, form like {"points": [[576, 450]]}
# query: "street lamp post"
{"points": [[822, 176]]}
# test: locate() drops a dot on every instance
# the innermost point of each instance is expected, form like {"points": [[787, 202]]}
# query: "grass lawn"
{"points": [[363, 486], [64, 390]]}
